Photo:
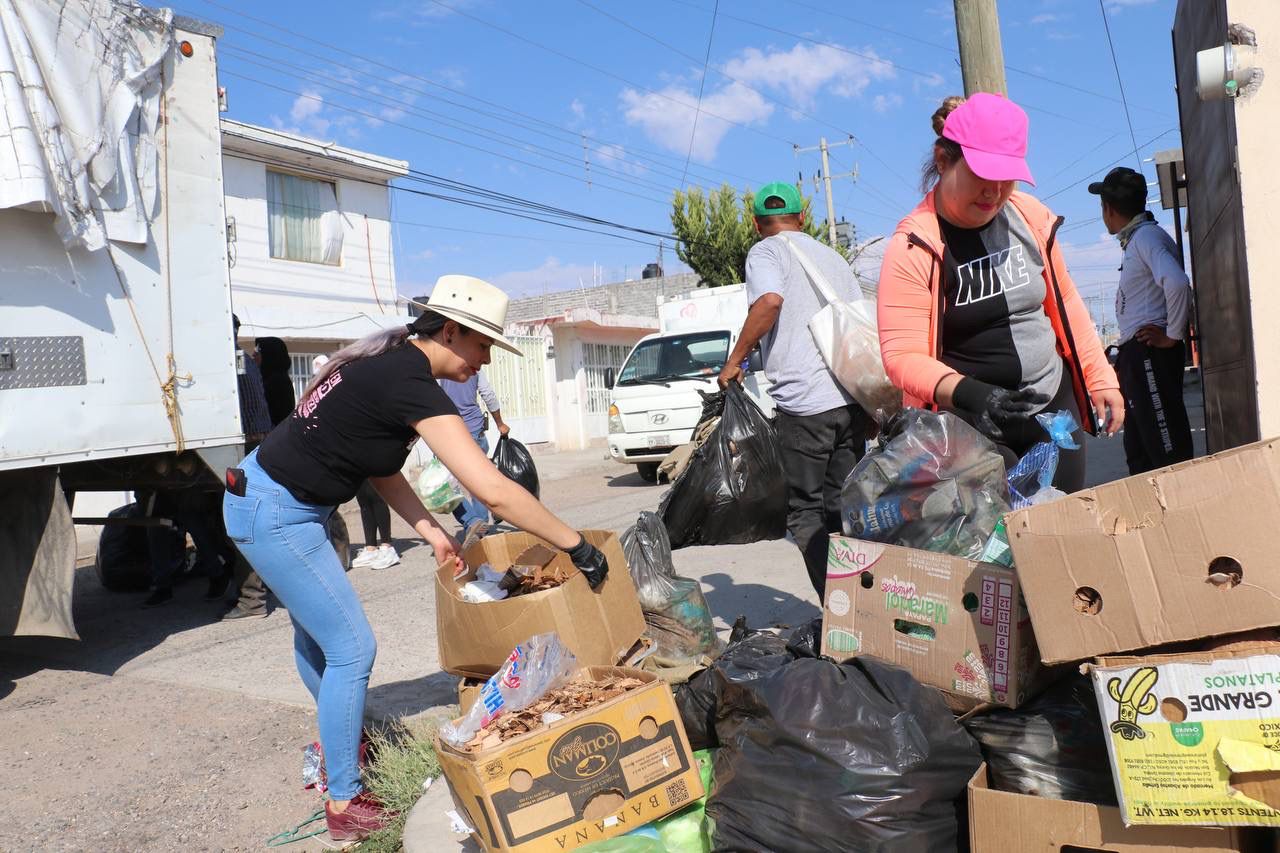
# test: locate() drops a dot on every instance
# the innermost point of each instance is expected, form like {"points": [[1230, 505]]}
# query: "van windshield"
{"points": [[696, 355]]}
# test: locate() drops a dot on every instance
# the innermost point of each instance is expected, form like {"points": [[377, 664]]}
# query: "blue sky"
{"points": [[589, 105]]}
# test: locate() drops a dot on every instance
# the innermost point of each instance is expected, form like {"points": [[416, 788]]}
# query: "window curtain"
{"points": [[304, 221]]}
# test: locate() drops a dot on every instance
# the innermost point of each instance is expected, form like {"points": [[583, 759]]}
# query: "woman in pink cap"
{"points": [[977, 312]]}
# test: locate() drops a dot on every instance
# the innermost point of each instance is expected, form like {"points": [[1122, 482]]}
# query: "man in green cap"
{"points": [[822, 431]]}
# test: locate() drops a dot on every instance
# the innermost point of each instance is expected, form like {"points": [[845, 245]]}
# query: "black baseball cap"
{"points": [[1121, 184]]}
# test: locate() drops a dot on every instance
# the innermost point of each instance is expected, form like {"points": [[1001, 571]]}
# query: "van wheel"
{"points": [[648, 471]]}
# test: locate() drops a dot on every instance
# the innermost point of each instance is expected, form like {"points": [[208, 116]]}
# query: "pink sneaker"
{"points": [[362, 817]]}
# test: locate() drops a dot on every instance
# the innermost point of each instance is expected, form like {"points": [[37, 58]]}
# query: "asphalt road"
{"points": [[166, 729]]}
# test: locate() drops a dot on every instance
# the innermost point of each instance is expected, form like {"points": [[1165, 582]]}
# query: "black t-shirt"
{"points": [[994, 327], [356, 425]]}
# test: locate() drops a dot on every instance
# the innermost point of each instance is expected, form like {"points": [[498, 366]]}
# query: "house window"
{"points": [[597, 359], [302, 219]]}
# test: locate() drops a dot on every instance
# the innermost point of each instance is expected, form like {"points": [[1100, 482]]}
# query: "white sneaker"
{"points": [[385, 558], [365, 558]]}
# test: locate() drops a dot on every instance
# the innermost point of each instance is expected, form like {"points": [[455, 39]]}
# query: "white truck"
{"points": [[117, 362], [655, 402]]}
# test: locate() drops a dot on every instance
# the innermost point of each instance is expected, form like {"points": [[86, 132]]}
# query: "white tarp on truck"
{"points": [[80, 84]]}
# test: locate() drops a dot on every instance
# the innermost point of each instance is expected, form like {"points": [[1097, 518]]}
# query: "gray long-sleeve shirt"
{"points": [[1154, 289], [463, 395]]}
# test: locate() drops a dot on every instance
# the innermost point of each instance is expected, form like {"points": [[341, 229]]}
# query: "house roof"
{"points": [[289, 149]]}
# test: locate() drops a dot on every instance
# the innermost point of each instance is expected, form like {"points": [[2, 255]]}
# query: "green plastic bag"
{"points": [[686, 831], [440, 490]]}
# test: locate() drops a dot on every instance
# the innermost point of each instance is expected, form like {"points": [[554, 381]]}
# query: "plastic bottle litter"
{"points": [[935, 483], [534, 667]]}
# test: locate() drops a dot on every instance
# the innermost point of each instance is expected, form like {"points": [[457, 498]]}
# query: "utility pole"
{"points": [[826, 179], [981, 56]]}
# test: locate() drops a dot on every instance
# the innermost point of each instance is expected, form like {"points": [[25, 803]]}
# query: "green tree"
{"points": [[716, 231]]}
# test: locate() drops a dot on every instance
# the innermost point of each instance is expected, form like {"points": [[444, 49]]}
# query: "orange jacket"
{"points": [[910, 302]]}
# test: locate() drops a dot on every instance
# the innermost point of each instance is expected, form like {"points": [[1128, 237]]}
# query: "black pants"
{"points": [[1156, 429], [818, 452], [375, 515]]}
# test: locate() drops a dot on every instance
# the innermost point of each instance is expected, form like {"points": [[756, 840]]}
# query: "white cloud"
{"points": [[933, 81], [803, 71], [306, 116], [1046, 18], [615, 157], [578, 108], [551, 276], [1115, 7], [667, 117], [884, 103]]}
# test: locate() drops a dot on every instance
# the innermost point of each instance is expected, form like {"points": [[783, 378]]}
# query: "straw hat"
{"points": [[473, 303]]}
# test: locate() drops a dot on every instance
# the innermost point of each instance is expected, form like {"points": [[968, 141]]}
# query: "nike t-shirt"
{"points": [[994, 327], [357, 424]]}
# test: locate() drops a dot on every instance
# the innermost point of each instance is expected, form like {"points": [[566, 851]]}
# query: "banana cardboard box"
{"points": [[594, 775], [954, 624], [1194, 738]]}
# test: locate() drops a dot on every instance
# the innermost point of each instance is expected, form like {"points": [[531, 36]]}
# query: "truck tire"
{"points": [[648, 471], [340, 539]]}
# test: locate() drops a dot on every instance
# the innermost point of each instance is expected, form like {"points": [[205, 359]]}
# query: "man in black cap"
{"points": [[1153, 303]]}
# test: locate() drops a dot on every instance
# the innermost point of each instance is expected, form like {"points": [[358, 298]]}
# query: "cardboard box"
{"points": [[1177, 554], [1002, 822], [1194, 738], [599, 626], [954, 624], [591, 776]]}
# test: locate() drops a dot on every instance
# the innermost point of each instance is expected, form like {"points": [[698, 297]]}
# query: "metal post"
{"points": [[831, 205]]}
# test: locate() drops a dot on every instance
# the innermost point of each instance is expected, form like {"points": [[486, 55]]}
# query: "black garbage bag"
{"points": [[123, 560], [732, 491], [1053, 746], [516, 463], [818, 756], [675, 610]]}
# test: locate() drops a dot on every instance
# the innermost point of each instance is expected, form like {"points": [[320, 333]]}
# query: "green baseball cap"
{"points": [[790, 196]]}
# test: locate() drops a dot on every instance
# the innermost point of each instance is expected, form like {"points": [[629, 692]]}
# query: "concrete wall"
{"points": [[637, 298], [311, 296]]}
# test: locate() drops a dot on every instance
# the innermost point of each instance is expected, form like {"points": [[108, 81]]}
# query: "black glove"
{"points": [[590, 561], [995, 408]]}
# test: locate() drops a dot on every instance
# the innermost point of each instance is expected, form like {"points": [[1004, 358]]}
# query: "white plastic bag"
{"points": [[440, 490], [849, 342], [535, 667]]}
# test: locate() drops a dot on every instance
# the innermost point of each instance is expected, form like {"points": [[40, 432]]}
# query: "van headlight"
{"points": [[615, 419]]}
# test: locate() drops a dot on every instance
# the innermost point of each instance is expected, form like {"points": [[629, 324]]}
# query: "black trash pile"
{"points": [[515, 462], [817, 756], [730, 493]]}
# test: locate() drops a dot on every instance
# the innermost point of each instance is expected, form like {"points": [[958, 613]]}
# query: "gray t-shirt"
{"points": [[802, 384]]}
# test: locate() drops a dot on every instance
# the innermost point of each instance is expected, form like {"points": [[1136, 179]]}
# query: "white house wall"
{"points": [[295, 299]]}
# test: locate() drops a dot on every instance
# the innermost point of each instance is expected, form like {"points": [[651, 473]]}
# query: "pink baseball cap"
{"points": [[991, 130]]}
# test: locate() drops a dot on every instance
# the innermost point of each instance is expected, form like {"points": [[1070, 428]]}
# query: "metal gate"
{"points": [[596, 360], [521, 386]]}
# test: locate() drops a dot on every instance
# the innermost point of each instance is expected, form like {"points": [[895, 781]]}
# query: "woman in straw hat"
{"points": [[977, 311], [357, 420]]}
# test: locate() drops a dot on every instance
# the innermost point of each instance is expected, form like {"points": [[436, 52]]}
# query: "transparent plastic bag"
{"points": [[675, 609], [1031, 480], [934, 483], [859, 366], [535, 667], [439, 489]]}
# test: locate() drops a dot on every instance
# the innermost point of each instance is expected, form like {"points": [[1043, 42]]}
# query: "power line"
{"points": [[348, 87], [557, 52], [1120, 84], [638, 153], [441, 137], [702, 83], [1108, 166]]}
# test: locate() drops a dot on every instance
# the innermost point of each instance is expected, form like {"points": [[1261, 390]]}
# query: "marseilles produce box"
{"points": [[1194, 738], [955, 624], [593, 775]]}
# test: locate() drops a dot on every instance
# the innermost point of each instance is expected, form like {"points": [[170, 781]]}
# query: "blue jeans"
{"points": [[472, 509], [284, 540]]}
